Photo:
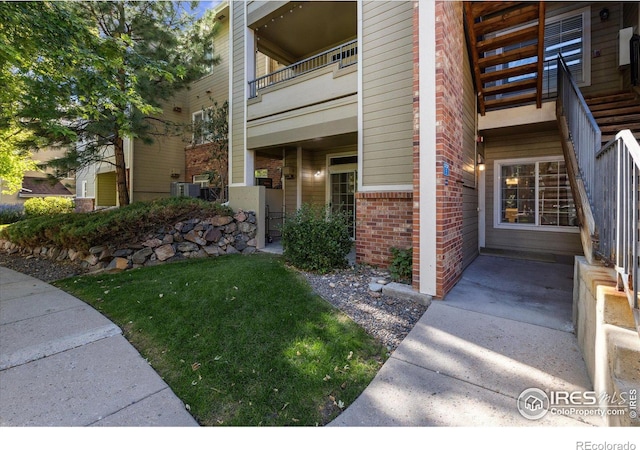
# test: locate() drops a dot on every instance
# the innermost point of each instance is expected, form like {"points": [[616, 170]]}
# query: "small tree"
{"points": [[215, 129]]}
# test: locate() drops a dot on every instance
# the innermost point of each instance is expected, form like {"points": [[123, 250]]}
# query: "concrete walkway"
{"points": [[64, 364], [504, 328]]}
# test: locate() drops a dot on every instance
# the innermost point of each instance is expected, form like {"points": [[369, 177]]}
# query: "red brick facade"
{"points": [[273, 166], [383, 220], [198, 160], [449, 34]]}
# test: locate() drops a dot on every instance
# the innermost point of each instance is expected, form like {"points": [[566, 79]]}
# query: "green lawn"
{"points": [[242, 340]]}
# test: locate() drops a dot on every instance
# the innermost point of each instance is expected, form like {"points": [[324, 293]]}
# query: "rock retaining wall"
{"points": [[194, 238]]}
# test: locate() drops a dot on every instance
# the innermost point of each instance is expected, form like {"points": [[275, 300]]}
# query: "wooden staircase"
{"points": [[507, 64], [614, 112]]}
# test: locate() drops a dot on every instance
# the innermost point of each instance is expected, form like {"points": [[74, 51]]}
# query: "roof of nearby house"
{"points": [[42, 187]]}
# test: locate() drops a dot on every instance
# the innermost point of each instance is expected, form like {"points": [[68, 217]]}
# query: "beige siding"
{"points": [[524, 144], [217, 82], [387, 52], [239, 95], [469, 192], [314, 188]]}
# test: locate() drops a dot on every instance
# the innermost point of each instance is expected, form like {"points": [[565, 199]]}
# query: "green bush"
{"points": [[82, 231], [39, 206], [401, 267], [11, 213], [315, 239]]}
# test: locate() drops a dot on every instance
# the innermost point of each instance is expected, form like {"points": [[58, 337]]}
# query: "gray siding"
{"points": [[524, 144], [387, 73]]}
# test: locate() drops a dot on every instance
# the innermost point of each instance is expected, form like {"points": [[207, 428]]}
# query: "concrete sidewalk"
{"points": [[501, 330], [64, 364]]}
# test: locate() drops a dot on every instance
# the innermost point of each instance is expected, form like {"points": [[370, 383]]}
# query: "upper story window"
{"points": [[567, 34], [201, 133], [533, 194]]}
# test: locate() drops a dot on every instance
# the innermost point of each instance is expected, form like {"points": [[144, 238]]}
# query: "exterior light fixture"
{"points": [[481, 165]]}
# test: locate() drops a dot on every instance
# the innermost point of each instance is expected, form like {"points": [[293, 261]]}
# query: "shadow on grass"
{"points": [[241, 340]]}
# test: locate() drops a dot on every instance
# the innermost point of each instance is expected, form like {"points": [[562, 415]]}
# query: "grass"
{"points": [[242, 340]]}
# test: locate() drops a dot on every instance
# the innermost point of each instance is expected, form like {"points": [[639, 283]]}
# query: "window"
{"points": [[533, 194], [200, 132], [567, 34], [202, 180]]}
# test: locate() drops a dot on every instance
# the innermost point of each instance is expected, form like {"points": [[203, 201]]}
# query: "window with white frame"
{"points": [[200, 132], [202, 180], [567, 34], [533, 194]]}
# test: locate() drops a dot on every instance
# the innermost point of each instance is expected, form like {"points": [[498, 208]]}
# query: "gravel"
{"points": [[387, 319]]}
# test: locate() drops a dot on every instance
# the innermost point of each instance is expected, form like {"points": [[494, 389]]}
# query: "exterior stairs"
{"points": [[614, 112]]}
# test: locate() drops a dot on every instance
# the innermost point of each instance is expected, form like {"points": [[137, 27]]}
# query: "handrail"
{"points": [[618, 202], [585, 133], [345, 55]]}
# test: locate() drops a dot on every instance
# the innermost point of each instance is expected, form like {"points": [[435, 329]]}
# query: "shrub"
{"points": [[82, 231], [11, 213], [39, 206], [401, 267], [315, 239]]}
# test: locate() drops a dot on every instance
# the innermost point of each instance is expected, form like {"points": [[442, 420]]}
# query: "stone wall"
{"points": [[194, 238], [84, 204]]}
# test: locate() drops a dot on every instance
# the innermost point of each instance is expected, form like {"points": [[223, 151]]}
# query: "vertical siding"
{"points": [[239, 94], [469, 192], [387, 74], [524, 144]]}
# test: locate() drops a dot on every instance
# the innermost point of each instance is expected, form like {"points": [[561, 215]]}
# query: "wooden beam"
{"points": [[511, 87], [481, 8], [524, 69], [510, 56], [541, 14], [504, 40], [510, 101], [473, 39], [507, 20]]}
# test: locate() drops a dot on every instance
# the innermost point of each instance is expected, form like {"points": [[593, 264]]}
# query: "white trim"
{"points": [[249, 65], [427, 127], [83, 189], [497, 223], [231, 97], [338, 168], [360, 97], [482, 208], [387, 188]]}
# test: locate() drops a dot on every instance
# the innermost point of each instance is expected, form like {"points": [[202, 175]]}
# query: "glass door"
{"points": [[343, 189]]}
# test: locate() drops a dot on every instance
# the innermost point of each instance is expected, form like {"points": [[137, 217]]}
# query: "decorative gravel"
{"points": [[387, 319]]}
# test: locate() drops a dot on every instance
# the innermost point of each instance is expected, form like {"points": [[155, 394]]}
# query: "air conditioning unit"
{"points": [[179, 189], [624, 38]]}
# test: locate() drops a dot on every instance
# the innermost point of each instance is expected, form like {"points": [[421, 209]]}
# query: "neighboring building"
{"points": [[37, 183], [380, 109], [152, 168]]}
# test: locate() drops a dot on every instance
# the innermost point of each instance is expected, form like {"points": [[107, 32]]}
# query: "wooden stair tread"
{"points": [[512, 55], [508, 19], [509, 101], [511, 87], [613, 105], [608, 137], [504, 40], [610, 98], [617, 127], [629, 118], [517, 71], [616, 112]]}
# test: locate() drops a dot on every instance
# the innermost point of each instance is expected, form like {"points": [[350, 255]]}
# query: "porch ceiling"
{"points": [[300, 29], [506, 42]]}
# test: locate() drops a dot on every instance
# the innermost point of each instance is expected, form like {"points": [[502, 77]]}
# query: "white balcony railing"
{"points": [[343, 55]]}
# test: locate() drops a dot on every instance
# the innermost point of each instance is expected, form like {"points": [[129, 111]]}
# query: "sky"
{"points": [[204, 5]]}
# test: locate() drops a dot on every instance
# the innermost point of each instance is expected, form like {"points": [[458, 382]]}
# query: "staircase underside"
{"points": [[506, 42], [614, 112]]}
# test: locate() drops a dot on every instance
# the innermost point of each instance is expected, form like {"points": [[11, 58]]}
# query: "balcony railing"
{"points": [[617, 202], [343, 55], [585, 133]]}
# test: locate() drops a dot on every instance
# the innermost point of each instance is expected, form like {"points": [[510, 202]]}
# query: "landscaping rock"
{"points": [[240, 216], [165, 252], [213, 235], [211, 250], [218, 221], [97, 249], [375, 287], [192, 236], [153, 243], [249, 251], [123, 253], [117, 264], [231, 250], [105, 255], [141, 256], [245, 227], [186, 247]]}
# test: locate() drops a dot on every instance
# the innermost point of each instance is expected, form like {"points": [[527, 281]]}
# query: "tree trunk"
{"points": [[121, 172]]}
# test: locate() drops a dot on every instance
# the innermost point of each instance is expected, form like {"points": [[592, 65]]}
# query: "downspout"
{"points": [[130, 165]]}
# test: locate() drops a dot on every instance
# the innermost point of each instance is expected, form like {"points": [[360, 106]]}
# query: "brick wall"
{"points": [[84, 204], [198, 160], [273, 166], [449, 143], [449, 35], [383, 220]]}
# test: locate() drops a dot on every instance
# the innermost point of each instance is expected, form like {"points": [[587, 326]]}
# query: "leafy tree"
{"points": [[215, 129], [123, 60]]}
